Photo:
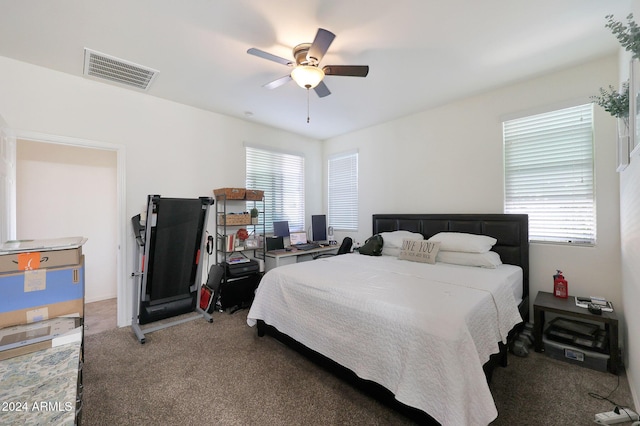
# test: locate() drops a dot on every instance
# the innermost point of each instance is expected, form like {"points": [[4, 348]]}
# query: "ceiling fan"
{"points": [[306, 72]]}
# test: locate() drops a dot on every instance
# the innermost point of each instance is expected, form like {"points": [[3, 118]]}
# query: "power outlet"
{"points": [[611, 417]]}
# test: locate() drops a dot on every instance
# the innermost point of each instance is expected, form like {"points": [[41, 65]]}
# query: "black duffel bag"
{"points": [[373, 246]]}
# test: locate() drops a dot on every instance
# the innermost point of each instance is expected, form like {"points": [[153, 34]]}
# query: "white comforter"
{"points": [[422, 331]]}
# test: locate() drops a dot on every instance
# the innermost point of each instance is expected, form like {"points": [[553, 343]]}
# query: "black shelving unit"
{"points": [[230, 212]]}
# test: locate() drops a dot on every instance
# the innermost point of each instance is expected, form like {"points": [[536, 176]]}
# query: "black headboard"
{"points": [[511, 231]]}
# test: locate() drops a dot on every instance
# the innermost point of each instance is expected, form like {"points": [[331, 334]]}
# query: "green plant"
{"points": [[254, 212], [628, 35], [614, 102]]}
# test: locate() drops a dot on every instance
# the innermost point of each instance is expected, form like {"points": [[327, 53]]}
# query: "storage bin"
{"points": [[234, 219], [254, 194], [574, 355], [230, 193]]}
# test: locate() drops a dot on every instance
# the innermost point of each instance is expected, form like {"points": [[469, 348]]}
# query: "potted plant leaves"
{"points": [[628, 35], [616, 103]]}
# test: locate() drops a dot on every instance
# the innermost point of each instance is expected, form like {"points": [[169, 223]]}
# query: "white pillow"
{"points": [[393, 241], [490, 259], [419, 251], [459, 241]]}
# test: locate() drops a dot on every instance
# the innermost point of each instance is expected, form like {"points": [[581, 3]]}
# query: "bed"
{"points": [[429, 334]]}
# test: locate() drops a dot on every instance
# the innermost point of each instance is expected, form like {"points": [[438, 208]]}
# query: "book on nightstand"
{"points": [[583, 302]]}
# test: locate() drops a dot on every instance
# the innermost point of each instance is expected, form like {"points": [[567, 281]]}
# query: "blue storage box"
{"points": [[41, 294]]}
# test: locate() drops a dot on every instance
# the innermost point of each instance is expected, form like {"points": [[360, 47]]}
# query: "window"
{"points": [[281, 177], [549, 174], [343, 191]]}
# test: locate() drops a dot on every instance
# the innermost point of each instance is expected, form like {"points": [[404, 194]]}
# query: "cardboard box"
{"points": [[24, 339], [16, 256], [41, 294]]}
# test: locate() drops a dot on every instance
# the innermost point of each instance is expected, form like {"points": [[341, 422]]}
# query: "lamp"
{"points": [[307, 76]]}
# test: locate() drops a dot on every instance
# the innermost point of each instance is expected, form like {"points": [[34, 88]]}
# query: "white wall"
{"points": [[630, 239], [630, 231], [449, 159], [171, 149], [70, 191]]}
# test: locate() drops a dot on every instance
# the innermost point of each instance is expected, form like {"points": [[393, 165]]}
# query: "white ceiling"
{"points": [[421, 53]]}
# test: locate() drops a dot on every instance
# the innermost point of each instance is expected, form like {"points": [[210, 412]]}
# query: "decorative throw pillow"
{"points": [[460, 241], [393, 241], [419, 251]]}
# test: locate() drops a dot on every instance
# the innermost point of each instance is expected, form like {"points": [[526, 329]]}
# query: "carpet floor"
{"points": [[222, 373]]}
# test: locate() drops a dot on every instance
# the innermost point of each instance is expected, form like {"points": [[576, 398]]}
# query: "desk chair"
{"points": [[345, 247]]}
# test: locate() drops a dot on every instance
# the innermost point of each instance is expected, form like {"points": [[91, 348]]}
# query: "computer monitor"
{"points": [[274, 243], [298, 238], [319, 227], [281, 228]]}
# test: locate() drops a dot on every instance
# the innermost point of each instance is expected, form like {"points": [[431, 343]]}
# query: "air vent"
{"points": [[105, 67]]}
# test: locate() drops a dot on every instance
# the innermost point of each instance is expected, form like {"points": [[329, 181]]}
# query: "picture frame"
{"points": [[252, 243]]}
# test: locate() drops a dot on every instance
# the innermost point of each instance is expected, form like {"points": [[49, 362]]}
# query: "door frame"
{"points": [[8, 182], [121, 222]]}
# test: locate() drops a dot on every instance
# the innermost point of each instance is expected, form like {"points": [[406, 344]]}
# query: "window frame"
{"points": [[345, 202], [562, 207], [283, 185]]}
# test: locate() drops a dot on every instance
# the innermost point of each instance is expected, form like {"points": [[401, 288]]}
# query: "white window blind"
{"points": [[281, 177], [343, 191], [549, 174]]}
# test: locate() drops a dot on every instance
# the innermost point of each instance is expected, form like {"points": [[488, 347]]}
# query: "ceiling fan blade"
{"points": [[322, 90], [347, 70], [265, 55], [279, 82], [320, 45]]}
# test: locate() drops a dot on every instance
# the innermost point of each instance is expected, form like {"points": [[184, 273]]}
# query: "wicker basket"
{"points": [[230, 193], [234, 219], [254, 195]]}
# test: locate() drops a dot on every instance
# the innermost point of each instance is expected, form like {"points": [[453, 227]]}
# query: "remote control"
{"points": [[595, 309]]}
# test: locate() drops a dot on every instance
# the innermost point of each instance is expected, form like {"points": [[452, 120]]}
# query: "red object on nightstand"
{"points": [[560, 286]]}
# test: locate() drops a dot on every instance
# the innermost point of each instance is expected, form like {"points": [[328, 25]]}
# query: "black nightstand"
{"points": [[547, 302]]}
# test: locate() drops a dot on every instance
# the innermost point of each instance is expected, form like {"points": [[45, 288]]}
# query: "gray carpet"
{"points": [[223, 374]]}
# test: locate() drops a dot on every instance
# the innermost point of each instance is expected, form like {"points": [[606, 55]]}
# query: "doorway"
{"points": [[71, 187], [64, 191]]}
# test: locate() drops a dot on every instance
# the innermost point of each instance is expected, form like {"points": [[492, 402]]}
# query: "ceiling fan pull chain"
{"points": [[307, 105]]}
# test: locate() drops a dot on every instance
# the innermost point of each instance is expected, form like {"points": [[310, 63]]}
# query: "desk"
{"points": [[547, 302], [275, 259]]}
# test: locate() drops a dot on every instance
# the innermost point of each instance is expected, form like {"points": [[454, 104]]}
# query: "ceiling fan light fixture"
{"points": [[307, 76]]}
